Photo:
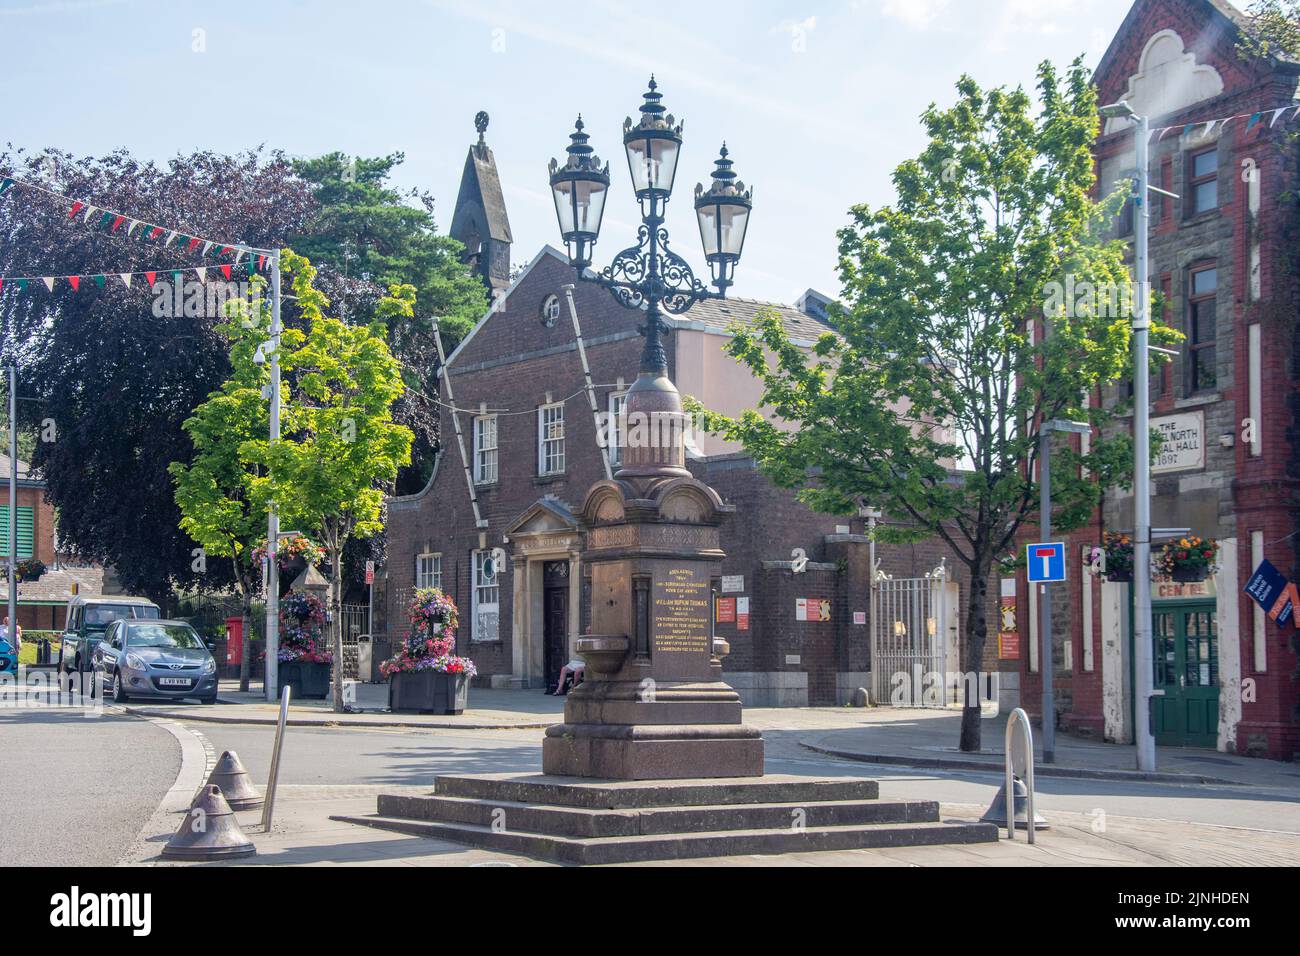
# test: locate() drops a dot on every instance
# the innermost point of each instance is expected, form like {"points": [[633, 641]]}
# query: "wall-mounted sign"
{"points": [[1008, 631], [733, 583], [1183, 446], [859, 618], [1273, 592], [742, 614], [726, 610], [794, 659], [812, 610], [1009, 647]]}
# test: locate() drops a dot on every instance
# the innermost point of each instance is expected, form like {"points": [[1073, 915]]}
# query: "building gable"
{"points": [[1171, 55]]}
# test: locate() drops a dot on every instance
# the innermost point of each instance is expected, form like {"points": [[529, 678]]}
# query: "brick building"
{"points": [[522, 444], [1223, 255], [42, 604]]}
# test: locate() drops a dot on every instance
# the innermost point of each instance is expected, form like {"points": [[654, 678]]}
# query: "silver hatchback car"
{"points": [[156, 659]]}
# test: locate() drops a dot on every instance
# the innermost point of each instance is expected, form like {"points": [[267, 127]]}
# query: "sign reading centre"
{"points": [[1046, 563]]}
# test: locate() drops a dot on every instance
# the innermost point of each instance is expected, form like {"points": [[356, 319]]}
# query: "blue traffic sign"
{"points": [[1046, 563]]}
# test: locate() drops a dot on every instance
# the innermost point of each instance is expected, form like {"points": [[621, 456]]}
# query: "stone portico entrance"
{"points": [[544, 545]]}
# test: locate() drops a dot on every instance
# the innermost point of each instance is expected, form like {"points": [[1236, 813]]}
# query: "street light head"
{"points": [[723, 212], [1118, 110], [579, 188], [653, 145]]}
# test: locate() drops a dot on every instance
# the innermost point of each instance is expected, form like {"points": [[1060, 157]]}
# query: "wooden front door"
{"points": [[555, 619], [1186, 659]]}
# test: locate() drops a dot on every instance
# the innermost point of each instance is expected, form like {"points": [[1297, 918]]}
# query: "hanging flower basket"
{"points": [[1189, 560], [30, 570], [426, 676], [1116, 552], [293, 554]]}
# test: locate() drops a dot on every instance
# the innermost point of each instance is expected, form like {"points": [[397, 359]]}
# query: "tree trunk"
{"points": [[977, 628], [336, 626]]}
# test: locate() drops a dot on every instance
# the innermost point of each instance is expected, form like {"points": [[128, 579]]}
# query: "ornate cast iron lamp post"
{"points": [[650, 275]]}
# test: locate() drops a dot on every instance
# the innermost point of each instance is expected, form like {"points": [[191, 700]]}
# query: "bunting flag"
{"points": [[1222, 123], [137, 229], [100, 279]]}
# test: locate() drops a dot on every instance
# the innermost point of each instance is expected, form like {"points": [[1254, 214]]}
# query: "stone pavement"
{"points": [[304, 835], [928, 739]]}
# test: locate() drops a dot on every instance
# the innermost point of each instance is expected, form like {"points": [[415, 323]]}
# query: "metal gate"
{"points": [[908, 642], [354, 625]]}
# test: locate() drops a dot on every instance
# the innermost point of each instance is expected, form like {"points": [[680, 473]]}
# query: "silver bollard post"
{"points": [[269, 806], [1018, 716]]}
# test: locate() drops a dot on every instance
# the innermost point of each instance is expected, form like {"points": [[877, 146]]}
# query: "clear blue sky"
{"points": [[818, 101]]}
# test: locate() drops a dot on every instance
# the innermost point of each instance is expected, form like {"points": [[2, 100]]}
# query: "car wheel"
{"points": [[119, 692], [208, 701]]}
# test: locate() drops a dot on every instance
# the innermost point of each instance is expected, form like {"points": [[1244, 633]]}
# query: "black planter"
{"points": [[309, 681], [1120, 577], [428, 692], [1190, 575]]}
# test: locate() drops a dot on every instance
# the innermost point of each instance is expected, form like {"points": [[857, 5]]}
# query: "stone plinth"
{"points": [[654, 705]]}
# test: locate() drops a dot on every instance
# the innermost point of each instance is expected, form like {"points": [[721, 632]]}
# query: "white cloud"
{"points": [[917, 14]]}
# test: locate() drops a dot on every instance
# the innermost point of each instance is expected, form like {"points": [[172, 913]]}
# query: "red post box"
{"points": [[234, 640]]}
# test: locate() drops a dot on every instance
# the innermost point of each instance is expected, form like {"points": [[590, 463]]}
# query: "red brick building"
{"points": [[522, 444], [1224, 256]]}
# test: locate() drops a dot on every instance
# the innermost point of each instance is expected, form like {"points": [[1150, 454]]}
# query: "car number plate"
{"points": [[174, 681]]}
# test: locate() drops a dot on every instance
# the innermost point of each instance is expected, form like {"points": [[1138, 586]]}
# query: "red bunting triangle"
{"points": [[193, 245], [117, 222], [225, 270], [76, 208], [261, 263], [2, 283], [75, 281], [149, 277], [157, 231]]}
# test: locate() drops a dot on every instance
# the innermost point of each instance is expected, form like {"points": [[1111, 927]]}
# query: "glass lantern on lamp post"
{"points": [[650, 276]]}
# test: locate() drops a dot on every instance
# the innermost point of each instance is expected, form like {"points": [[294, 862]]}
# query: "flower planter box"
{"points": [[428, 692], [1189, 575], [1120, 577], [309, 681]]}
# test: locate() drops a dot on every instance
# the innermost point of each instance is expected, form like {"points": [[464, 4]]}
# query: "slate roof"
{"points": [[480, 184], [56, 586], [719, 315], [24, 470]]}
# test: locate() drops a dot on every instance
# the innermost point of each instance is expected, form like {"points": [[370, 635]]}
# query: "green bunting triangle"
{"points": [[100, 280], [105, 219], [176, 277], [22, 285], [5, 184]]}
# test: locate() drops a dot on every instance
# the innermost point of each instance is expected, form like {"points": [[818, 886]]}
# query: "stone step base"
{"points": [[630, 794], [584, 823], [605, 850]]}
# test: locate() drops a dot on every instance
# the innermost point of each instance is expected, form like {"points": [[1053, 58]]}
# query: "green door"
{"points": [[1186, 662]]}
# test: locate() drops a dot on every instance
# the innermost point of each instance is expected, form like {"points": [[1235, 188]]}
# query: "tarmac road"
{"points": [[76, 791]]}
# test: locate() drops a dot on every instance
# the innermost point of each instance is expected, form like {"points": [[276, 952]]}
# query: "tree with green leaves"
{"points": [[1273, 29], [928, 400], [340, 448], [370, 237], [214, 490]]}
